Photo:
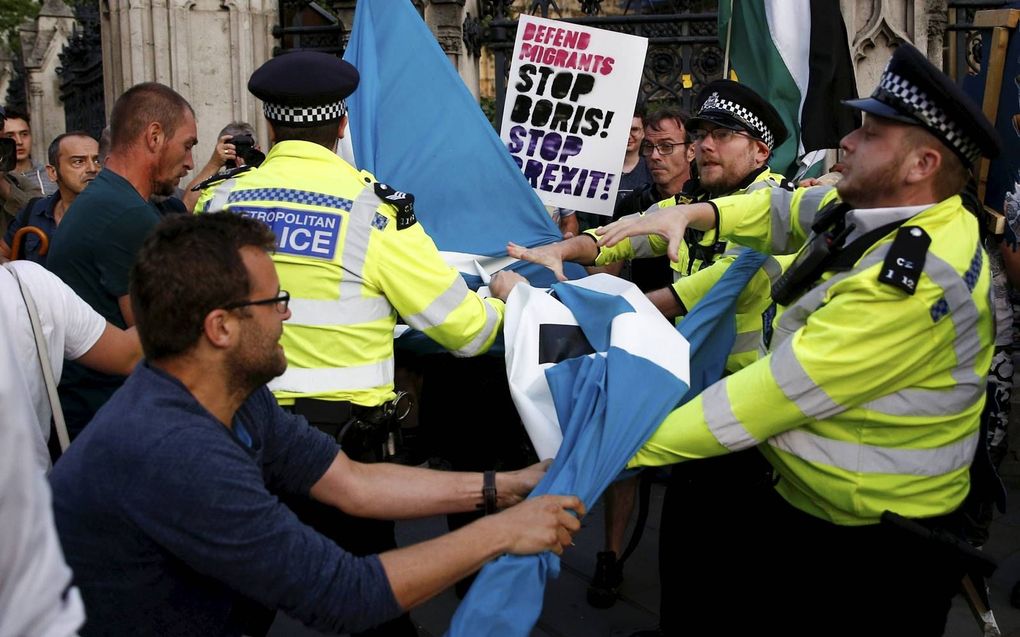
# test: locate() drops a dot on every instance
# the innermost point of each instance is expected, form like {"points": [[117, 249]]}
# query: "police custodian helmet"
{"points": [[736, 106], [304, 88], [913, 91]]}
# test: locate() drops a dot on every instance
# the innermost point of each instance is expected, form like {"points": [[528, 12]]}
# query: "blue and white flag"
{"points": [[593, 373], [415, 126]]}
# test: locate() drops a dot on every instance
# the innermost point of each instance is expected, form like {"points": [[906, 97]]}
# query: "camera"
{"points": [[244, 146], [8, 154]]}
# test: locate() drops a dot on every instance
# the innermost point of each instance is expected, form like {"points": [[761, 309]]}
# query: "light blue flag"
{"points": [[416, 127], [609, 398]]}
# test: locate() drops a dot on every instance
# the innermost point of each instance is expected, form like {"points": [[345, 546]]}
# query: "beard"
{"points": [[165, 188], [860, 190], [255, 362]]}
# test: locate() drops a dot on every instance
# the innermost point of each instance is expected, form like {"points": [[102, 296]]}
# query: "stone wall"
{"points": [[203, 49]]}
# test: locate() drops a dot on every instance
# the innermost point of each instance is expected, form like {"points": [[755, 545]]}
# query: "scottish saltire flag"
{"points": [[415, 126], [593, 371], [796, 54]]}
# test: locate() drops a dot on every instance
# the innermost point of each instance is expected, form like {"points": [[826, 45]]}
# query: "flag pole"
{"points": [[726, 51]]}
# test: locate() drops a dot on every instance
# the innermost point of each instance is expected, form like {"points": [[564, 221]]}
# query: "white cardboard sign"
{"points": [[569, 103]]}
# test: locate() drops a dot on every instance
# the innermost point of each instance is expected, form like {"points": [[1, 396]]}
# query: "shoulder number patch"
{"points": [[905, 259], [402, 201]]}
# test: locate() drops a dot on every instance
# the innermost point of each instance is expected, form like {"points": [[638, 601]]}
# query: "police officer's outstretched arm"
{"points": [[668, 223], [580, 249], [430, 295]]}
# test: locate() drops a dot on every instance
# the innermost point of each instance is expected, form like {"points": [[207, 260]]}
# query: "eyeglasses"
{"points": [[718, 135], [281, 301], [664, 148]]}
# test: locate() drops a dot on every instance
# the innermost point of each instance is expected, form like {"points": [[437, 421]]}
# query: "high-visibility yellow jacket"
{"points": [[871, 397], [690, 284], [350, 272]]}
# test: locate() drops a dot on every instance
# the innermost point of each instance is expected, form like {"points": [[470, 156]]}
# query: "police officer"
{"points": [[352, 256], [871, 397], [734, 131]]}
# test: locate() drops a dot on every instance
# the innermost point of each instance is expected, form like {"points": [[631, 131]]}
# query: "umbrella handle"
{"points": [[44, 240]]}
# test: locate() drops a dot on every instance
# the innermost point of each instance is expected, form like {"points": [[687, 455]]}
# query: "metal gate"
{"points": [[683, 43], [81, 73]]}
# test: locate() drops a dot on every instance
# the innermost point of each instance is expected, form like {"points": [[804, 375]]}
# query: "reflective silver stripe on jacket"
{"points": [[440, 307], [475, 346], [221, 192], [746, 342], [798, 387], [779, 213], [772, 268], [327, 380], [344, 311], [725, 426], [969, 386], [858, 458], [963, 312], [810, 202], [353, 306]]}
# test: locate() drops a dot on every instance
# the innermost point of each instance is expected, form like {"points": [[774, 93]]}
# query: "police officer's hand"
{"points": [[669, 223], [547, 255], [545, 523], [503, 282], [514, 486]]}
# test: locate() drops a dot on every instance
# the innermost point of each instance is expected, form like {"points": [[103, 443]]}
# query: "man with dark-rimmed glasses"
{"points": [[168, 504]]}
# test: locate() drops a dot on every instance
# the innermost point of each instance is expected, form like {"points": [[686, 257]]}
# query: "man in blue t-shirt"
{"points": [[167, 505]]}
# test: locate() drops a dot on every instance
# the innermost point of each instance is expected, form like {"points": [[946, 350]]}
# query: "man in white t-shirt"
{"points": [[73, 331], [36, 596]]}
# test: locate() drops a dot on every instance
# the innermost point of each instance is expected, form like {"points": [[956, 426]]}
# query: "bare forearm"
{"points": [[392, 492], [581, 249], [666, 302], [419, 572]]}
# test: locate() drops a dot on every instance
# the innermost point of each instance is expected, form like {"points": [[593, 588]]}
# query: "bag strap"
{"points": [[44, 361]]}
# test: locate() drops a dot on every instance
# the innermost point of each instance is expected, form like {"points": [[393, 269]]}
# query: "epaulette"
{"points": [[218, 177], [402, 202], [905, 259]]}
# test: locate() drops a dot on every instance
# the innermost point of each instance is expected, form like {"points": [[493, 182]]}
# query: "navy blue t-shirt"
{"points": [[166, 517]]}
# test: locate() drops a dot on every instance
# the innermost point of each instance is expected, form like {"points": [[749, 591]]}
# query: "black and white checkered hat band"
{"points": [[894, 88], [716, 103], [304, 114]]}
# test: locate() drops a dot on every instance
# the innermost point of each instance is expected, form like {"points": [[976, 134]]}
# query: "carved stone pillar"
{"points": [[204, 49], [6, 69], [877, 26], [41, 43]]}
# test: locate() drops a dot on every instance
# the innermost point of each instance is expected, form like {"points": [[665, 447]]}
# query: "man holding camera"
{"points": [[235, 152]]}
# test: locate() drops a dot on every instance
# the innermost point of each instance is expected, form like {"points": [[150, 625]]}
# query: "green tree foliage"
{"points": [[12, 14]]}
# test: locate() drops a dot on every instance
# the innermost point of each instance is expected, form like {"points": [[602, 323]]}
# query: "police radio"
{"points": [[816, 256]]}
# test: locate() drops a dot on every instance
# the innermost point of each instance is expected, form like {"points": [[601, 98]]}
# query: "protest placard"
{"points": [[568, 110]]}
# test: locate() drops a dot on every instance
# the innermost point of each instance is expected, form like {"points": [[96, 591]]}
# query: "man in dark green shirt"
{"points": [[153, 130]]}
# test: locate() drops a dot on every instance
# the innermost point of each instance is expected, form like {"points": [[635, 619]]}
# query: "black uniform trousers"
{"points": [[762, 566]]}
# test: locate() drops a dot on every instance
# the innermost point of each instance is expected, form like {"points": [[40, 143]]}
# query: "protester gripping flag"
{"points": [[795, 54]]}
